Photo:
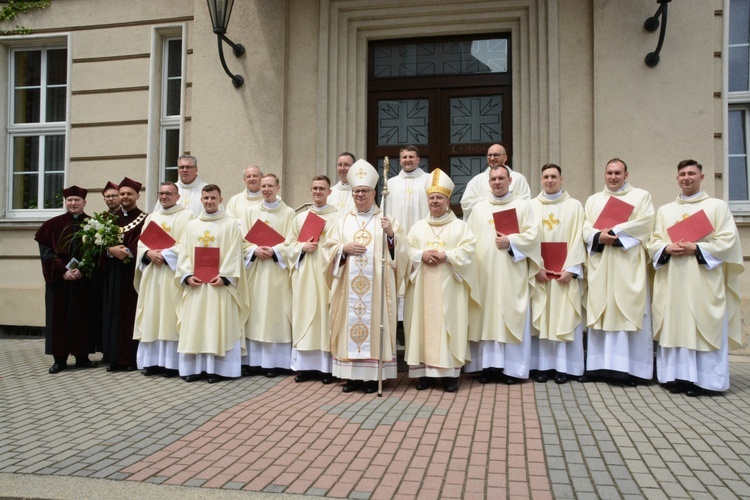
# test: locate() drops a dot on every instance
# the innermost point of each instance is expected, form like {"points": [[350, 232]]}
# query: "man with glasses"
{"points": [[111, 194], [158, 295], [478, 188], [356, 268], [189, 184]]}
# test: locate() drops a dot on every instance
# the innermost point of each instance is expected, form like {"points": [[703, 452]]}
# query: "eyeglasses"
{"points": [[495, 155], [184, 167], [362, 192]]}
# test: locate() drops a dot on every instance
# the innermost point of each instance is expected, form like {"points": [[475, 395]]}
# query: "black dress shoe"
{"points": [[371, 386], [327, 378], [541, 377], [303, 376], [85, 363], [351, 386], [131, 368], [194, 378], [270, 373], [114, 367], [153, 370], [450, 384], [488, 376], [694, 391], [511, 380], [584, 378], [246, 371], [57, 367], [561, 378], [170, 373], [679, 386], [424, 383], [631, 382], [213, 378]]}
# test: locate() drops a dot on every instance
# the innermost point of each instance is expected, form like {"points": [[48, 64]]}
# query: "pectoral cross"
{"points": [[435, 244], [166, 227], [550, 221], [206, 239]]}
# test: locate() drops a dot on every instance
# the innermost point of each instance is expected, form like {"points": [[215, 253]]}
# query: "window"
{"points": [[738, 193], [171, 108], [37, 124]]}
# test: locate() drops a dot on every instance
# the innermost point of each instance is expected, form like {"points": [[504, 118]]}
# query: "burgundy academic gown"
{"points": [[68, 328], [120, 298]]}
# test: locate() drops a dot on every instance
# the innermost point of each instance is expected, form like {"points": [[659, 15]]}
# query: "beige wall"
{"points": [[581, 94]]}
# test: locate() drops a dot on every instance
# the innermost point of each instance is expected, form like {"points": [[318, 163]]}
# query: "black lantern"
{"points": [[220, 10]]}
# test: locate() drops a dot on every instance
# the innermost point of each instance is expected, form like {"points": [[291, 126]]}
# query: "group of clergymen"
{"points": [[215, 293]]}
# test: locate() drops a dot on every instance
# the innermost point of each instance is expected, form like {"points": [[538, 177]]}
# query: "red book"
{"points": [[156, 238], [615, 212], [312, 228], [263, 235], [691, 229], [206, 265], [506, 221], [554, 254]]}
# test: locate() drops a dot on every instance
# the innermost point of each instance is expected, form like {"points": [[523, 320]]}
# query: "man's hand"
{"points": [[565, 277], [118, 252], [264, 253], [501, 241], [681, 248], [72, 275], [385, 223], [217, 281], [155, 257], [433, 257], [352, 248], [310, 246], [605, 238], [541, 276], [193, 281]]}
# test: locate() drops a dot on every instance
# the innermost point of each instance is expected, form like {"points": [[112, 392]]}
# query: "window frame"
{"points": [[168, 122], [37, 129]]}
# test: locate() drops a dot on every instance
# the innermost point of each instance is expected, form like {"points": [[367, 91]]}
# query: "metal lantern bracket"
{"points": [[651, 24], [238, 49]]}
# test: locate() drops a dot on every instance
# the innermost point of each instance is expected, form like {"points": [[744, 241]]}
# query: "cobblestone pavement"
{"points": [[154, 438]]}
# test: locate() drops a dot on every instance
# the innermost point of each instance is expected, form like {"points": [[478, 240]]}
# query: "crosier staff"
{"points": [[383, 260]]}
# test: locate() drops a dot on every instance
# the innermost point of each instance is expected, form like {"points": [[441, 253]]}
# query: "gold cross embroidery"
{"points": [[408, 192], [166, 227], [435, 244], [360, 173], [550, 221], [206, 238]]}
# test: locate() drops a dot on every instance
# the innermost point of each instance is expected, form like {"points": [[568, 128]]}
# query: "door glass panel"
{"points": [[464, 57], [463, 169], [476, 119], [403, 122]]}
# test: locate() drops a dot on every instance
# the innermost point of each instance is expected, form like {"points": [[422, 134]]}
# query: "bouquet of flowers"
{"points": [[97, 234]]}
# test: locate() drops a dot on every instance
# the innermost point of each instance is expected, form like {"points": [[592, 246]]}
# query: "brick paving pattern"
{"points": [[275, 436]]}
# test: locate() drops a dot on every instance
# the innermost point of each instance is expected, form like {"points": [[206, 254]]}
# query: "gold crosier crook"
{"points": [[383, 281]]}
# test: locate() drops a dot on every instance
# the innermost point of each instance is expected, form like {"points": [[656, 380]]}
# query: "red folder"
{"points": [[691, 229], [506, 221], [206, 265], [554, 254], [615, 212], [156, 238], [312, 228], [263, 235]]}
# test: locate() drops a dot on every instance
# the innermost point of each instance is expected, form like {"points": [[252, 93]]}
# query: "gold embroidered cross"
{"points": [[166, 227], [409, 192], [684, 216], [206, 238], [360, 173], [435, 244], [550, 221]]}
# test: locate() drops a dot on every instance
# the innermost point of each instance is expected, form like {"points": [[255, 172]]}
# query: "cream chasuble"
{"points": [[356, 288], [504, 284], [407, 199], [210, 318], [341, 197], [440, 299], [617, 277], [556, 308], [310, 327], [692, 302], [268, 290], [478, 189], [240, 203], [158, 296]]}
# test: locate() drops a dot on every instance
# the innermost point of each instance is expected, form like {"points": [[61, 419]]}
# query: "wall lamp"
{"points": [[220, 10], [651, 24]]}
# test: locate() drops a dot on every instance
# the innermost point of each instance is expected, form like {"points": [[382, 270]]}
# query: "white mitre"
{"points": [[362, 174]]}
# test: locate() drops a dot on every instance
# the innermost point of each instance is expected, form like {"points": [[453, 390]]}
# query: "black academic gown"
{"points": [[120, 298], [68, 326]]}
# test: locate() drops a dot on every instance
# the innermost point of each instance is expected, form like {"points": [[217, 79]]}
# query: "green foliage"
{"points": [[14, 7]]}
